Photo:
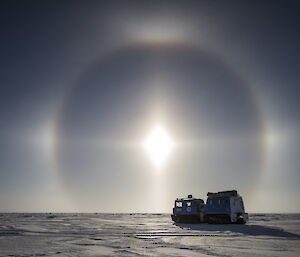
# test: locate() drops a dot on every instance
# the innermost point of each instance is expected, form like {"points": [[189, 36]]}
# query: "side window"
{"points": [[188, 204], [179, 204], [199, 206], [222, 202], [214, 203]]}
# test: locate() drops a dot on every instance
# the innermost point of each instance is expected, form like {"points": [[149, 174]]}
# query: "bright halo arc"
{"points": [[158, 145]]}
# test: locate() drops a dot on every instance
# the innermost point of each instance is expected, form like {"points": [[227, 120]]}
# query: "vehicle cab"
{"points": [[188, 210]]}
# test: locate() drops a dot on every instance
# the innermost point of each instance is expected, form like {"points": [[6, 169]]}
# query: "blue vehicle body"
{"points": [[188, 210], [225, 207], [221, 207], [218, 205]]}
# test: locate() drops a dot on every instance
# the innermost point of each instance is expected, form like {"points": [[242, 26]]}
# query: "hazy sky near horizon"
{"points": [[84, 82]]}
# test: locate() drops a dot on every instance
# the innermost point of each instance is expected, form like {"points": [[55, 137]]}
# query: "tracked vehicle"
{"points": [[188, 210], [225, 207], [220, 208]]}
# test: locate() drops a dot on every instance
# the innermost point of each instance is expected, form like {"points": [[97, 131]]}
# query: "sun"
{"points": [[158, 145]]}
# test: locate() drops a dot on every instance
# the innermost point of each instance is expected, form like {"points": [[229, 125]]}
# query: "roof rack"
{"points": [[223, 193]]}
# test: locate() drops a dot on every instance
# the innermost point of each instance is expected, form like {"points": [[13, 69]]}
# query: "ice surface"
{"points": [[145, 235]]}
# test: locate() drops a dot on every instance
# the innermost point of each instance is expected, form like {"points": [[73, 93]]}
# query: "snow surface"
{"points": [[145, 235]]}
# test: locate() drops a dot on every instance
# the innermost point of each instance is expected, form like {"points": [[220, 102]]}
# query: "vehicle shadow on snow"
{"points": [[251, 230]]}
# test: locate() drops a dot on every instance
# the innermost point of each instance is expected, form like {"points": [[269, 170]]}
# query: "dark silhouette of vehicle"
{"points": [[220, 208], [188, 210]]}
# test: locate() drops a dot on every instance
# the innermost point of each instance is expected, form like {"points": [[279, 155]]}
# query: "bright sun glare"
{"points": [[158, 144]]}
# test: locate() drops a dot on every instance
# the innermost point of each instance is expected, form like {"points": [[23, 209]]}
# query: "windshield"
{"points": [[178, 204]]}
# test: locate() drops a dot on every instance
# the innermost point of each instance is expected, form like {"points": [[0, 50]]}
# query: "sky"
{"points": [[85, 83]]}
